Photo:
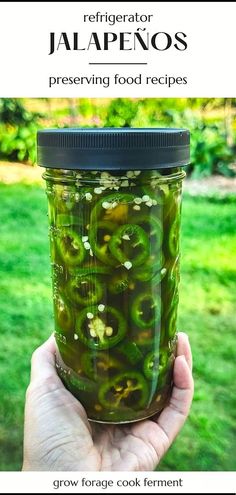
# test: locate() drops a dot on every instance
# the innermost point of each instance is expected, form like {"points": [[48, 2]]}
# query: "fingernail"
{"points": [[183, 333]]}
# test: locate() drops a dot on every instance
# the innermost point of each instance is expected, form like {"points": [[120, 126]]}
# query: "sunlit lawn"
{"points": [[207, 313]]}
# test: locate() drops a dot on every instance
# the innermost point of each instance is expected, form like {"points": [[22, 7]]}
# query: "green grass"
{"points": [[207, 313]]}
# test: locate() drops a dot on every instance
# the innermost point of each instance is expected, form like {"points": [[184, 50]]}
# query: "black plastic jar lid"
{"points": [[113, 149]]}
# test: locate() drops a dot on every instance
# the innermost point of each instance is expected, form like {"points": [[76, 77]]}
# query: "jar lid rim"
{"points": [[113, 147]]}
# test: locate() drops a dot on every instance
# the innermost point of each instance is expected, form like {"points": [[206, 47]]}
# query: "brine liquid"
{"points": [[115, 266]]}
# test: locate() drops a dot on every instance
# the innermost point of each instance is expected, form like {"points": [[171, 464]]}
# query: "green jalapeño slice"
{"points": [[64, 315], [99, 236], [85, 289], [112, 207], [99, 366], [100, 330], [70, 247], [119, 282], [129, 245], [125, 390], [155, 364], [146, 310], [152, 226], [173, 241]]}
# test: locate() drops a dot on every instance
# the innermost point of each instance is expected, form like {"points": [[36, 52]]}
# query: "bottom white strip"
{"points": [[118, 482]]}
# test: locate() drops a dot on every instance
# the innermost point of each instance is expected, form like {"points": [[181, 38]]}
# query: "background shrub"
{"points": [[211, 121]]}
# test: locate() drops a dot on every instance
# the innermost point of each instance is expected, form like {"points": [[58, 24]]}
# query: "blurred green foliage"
{"points": [[18, 128], [211, 121]]}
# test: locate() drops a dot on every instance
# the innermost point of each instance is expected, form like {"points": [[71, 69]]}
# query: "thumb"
{"points": [[43, 362]]}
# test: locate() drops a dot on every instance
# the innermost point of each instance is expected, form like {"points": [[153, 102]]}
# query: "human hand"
{"points": [[59, 437]]}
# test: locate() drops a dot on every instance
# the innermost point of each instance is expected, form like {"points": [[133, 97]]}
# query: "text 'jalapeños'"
{"points": [[124, 41]]}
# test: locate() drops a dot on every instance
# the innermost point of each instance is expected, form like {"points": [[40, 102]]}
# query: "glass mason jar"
{"points": [[114, 212]]}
